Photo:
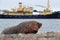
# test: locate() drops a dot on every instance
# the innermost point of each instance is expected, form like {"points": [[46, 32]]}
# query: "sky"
{"points": [[9, 4]]}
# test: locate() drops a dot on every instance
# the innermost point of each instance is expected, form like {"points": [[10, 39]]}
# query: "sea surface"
{"points": [[48, 25]]}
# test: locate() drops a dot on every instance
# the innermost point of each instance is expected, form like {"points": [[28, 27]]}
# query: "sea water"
{"points": [[48, 25]]}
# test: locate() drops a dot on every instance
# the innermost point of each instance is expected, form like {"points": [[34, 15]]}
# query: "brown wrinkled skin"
{"points": [[24, 27]]}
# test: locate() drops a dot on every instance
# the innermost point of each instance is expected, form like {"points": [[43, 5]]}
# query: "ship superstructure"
{"points": [[21, 10]]}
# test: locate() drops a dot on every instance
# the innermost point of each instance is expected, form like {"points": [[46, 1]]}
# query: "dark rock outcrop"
{"points": [[24, 27]]}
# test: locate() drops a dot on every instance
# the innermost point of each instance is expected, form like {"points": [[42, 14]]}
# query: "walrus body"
{"points": [[24, 27]]}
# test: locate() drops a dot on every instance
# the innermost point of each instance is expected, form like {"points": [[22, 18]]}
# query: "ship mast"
{"points": [[48, 5]]}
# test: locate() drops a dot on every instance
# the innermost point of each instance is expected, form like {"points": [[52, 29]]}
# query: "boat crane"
{"points": [[47, 9]]}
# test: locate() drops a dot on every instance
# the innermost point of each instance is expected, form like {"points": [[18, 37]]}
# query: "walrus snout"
{"points": [[34, 31]]}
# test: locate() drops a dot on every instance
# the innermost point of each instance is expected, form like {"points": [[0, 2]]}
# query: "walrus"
{"points": [[26, 27]]}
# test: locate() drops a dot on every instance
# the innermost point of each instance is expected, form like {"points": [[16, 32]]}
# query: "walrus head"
{"points": [[33, 27], [37, 27]]}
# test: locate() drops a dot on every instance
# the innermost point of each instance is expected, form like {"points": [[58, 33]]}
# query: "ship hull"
{"points": [[55, 15], [29, 17]]}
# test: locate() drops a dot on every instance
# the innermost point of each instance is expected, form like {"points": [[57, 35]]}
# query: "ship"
{"points": [[27, 12]]}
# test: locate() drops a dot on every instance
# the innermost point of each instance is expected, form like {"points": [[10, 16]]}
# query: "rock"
{"points": [[24, 27]]}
